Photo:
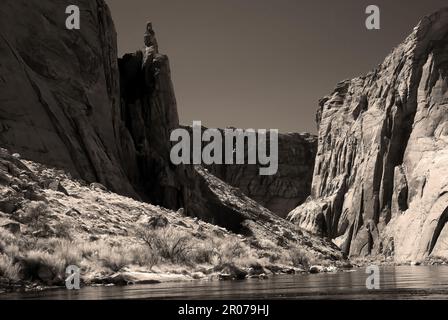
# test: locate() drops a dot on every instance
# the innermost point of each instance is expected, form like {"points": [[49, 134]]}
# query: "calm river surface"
{"points": [[401, 282]]}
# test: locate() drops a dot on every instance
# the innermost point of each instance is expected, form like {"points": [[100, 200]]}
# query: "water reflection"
{"points": [[402, 282]]}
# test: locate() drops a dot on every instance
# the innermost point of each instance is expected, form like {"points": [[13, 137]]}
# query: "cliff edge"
{"points": [[380, 184]]}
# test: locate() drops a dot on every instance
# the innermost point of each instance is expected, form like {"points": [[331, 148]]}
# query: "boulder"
{"points": [[316, 269], [157, 222], [98, 187], [9, 204], [12, 227], [73, 213], [229, 271], [57, 186]]}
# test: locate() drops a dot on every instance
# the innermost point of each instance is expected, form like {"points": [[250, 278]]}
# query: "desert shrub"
{"points": [[51, 257], [62, 230], [34, 214], [67, 251], [90, 249], [279, 256], [203, 252], [35, 261], [267, 244], [436, 259], [300, 258], [6, 239], [229, 251], [170, 243], [8, 269], [113, 258], [38, 217], [12, 250], [143, 256]]}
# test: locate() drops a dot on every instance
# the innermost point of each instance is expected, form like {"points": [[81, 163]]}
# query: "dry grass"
{"points": [[35, 215], [162, 247], [169, 243], [141, 256], [7, 239], [301, 258], [68, 252], [113, 258], [204, 252], [36, 262], [231, 251], [165, 247], [8, 269], [175, 246]]}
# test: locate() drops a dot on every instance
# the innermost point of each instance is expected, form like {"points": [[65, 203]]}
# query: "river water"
{"points": [[400, 282]]}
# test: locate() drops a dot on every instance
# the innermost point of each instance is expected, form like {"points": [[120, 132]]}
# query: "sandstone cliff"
{"points": [[59, 89], [67, 102], [380, 181], [289, 187]]}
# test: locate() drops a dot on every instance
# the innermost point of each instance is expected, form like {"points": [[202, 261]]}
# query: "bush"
{"points": [[169, 243], [6, 239], [8, 269], [300, 258], [143, 257], [44, 266], [113, 258], [12, 250], [62, 230], [90, 249], [204, 252], [231, 251], [37, 216], [67, 251], [34, 213]]}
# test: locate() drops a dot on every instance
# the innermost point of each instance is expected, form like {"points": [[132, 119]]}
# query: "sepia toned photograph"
{"points": [[223, 150]]}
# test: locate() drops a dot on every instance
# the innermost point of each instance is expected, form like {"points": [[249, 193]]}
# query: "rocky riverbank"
{"points": [[49, 221]]}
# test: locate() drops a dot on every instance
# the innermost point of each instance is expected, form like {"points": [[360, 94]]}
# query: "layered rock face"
{"points": [[285, 190], [380, 181], [61, 102], [59, 90]]}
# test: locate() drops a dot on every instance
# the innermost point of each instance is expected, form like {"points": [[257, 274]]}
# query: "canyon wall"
{"points": [[67, 102], [380, 184], [60, 101], [280, 192], [289, 187]]}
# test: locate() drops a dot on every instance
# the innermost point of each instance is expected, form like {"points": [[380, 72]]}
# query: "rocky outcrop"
{"points": [[59, 90], [289, 187], [149, 114], [380, 181]]}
